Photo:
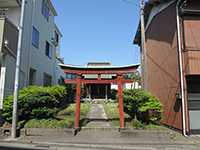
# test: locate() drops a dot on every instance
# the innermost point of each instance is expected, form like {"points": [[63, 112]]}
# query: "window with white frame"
{"points": [[45, 10], [35, 37], [56, 37], [48, 50]]}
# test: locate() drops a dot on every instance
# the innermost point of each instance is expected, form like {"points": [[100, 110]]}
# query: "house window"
{"points": [[48, 50], [32, 76], [56, 37], [45, 10], [35, 37], [47, 80]]}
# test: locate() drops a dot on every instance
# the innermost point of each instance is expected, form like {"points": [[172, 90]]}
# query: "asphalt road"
{"points": [[14, 148], [136, 147]]}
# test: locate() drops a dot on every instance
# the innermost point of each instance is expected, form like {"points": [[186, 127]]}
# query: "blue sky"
{"points": [[98, 30]]}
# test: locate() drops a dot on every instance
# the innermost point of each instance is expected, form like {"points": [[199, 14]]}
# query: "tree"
{"points": [[136, 77]]}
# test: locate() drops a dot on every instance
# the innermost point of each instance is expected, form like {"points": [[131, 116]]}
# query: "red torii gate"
{"points": [[78, 71]]}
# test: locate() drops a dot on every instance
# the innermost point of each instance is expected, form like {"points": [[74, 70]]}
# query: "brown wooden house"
{"points": [[172, 30]]}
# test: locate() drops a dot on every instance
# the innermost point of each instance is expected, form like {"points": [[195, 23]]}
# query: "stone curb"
{"points": [[133, 132], [114, 146], [18, 145], [45, 132], [70, 131], [97, 146]]}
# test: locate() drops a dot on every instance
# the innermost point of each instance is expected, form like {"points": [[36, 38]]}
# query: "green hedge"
{"points": [[50, 123], [142, 105], [36, 102]]}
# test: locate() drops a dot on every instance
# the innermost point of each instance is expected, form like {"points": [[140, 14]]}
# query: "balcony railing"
{"points": [[8, 37]]}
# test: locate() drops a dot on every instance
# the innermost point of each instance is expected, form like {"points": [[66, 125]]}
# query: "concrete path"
{"points": [[97, 117]]}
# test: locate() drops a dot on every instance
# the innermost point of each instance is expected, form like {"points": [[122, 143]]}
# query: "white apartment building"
{"points": [[40, 45]]}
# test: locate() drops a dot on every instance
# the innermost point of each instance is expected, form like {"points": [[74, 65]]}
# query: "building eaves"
{"points": [[96, 63], [152, 8], [190, 12], [97, 67], [52, 8], [156, 10], [58, 30]]}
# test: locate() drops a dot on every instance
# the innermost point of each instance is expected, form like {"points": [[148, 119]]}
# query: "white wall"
{"points": [[114, 86], [36, 56], [9, 64], [134, 85], [38, 59], [127, 86]]}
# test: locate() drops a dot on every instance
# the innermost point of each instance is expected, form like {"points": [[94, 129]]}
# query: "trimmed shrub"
{"points": [[50, 123], [44, 112], [36, 102], [139, 103]]}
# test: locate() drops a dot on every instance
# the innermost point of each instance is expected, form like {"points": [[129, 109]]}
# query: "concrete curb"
{"points": [[18, 145], [114, 146], [98, 146], [45, 132], [70, 131], [139, 145]]}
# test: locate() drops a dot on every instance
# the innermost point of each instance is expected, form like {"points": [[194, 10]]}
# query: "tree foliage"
{"points": [[36, 102], [136, 77], [138, 103]]}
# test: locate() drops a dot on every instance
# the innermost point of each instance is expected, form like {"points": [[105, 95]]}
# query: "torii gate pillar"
{"points": [[120, 96], [78, 102]]}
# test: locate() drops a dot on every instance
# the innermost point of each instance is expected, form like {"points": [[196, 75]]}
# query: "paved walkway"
{"points": [[97, 117]]}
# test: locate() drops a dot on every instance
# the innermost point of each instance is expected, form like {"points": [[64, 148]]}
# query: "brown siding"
{"points": [[192, 61], [162, 68], [191, 30]]}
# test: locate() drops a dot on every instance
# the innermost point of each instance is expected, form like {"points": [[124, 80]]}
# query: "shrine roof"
{"points": [[101, 67]]}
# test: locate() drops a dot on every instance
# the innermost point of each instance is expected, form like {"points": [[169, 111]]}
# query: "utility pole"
{"points": [[17, 73], [143, 47]]}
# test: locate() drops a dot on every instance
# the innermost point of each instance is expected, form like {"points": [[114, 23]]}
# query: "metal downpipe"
{"points": [[181, 68]]}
